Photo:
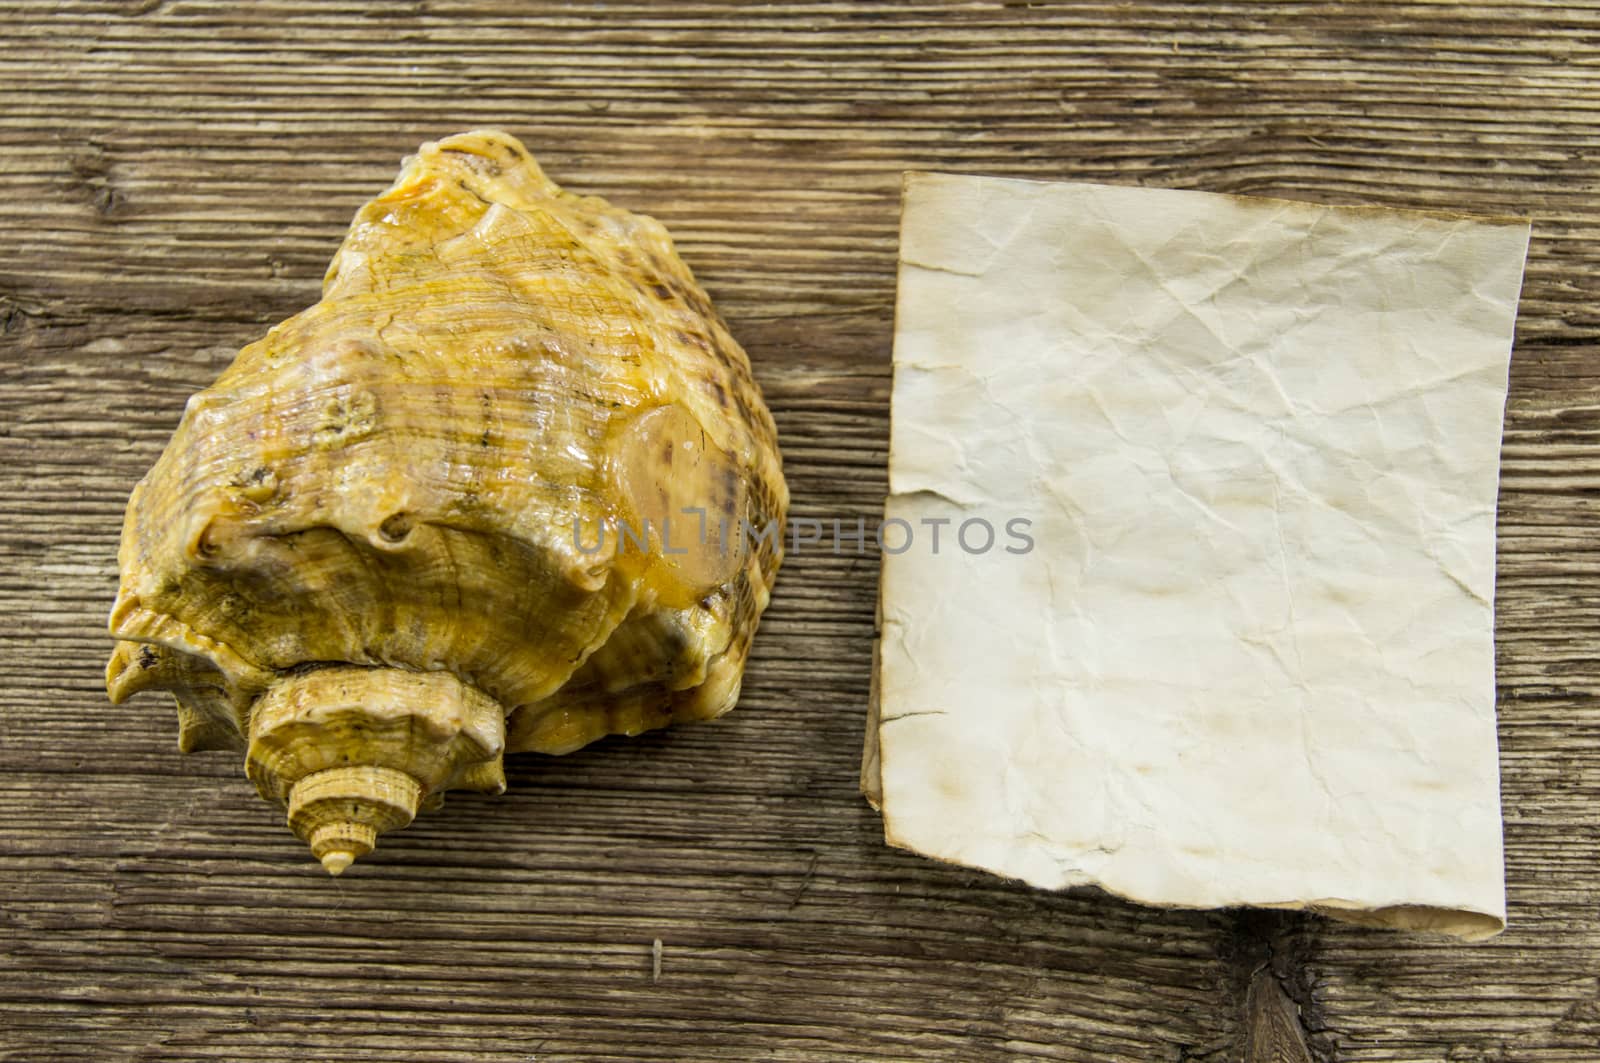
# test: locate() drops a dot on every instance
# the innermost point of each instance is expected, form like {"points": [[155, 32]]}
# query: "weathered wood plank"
{"points": [[176, 174]]}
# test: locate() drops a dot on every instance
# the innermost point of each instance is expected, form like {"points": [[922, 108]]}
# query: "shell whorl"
{"points": [[369, 555]]}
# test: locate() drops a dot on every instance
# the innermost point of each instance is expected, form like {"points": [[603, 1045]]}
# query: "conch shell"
{"points": [[509, 486]]}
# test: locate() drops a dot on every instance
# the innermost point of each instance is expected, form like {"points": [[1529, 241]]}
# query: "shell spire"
{"points": [[456, 509]]}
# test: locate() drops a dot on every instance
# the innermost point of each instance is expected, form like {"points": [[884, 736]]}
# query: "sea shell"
{"points": [[509, 486]]}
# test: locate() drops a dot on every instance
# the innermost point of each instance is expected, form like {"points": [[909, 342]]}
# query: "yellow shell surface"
{"points": [[421, 523]]}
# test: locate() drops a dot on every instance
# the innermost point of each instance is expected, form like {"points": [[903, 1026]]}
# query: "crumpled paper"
{"points": [[1248, 657]]}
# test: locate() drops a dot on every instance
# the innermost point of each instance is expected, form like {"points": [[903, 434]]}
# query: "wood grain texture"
{"points": [[175, 174]]}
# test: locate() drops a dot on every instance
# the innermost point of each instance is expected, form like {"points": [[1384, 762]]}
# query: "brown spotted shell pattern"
{"points": [[509, 486]]}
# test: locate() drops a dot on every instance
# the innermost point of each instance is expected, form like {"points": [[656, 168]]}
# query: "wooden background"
{"points": [[175, 174]]}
